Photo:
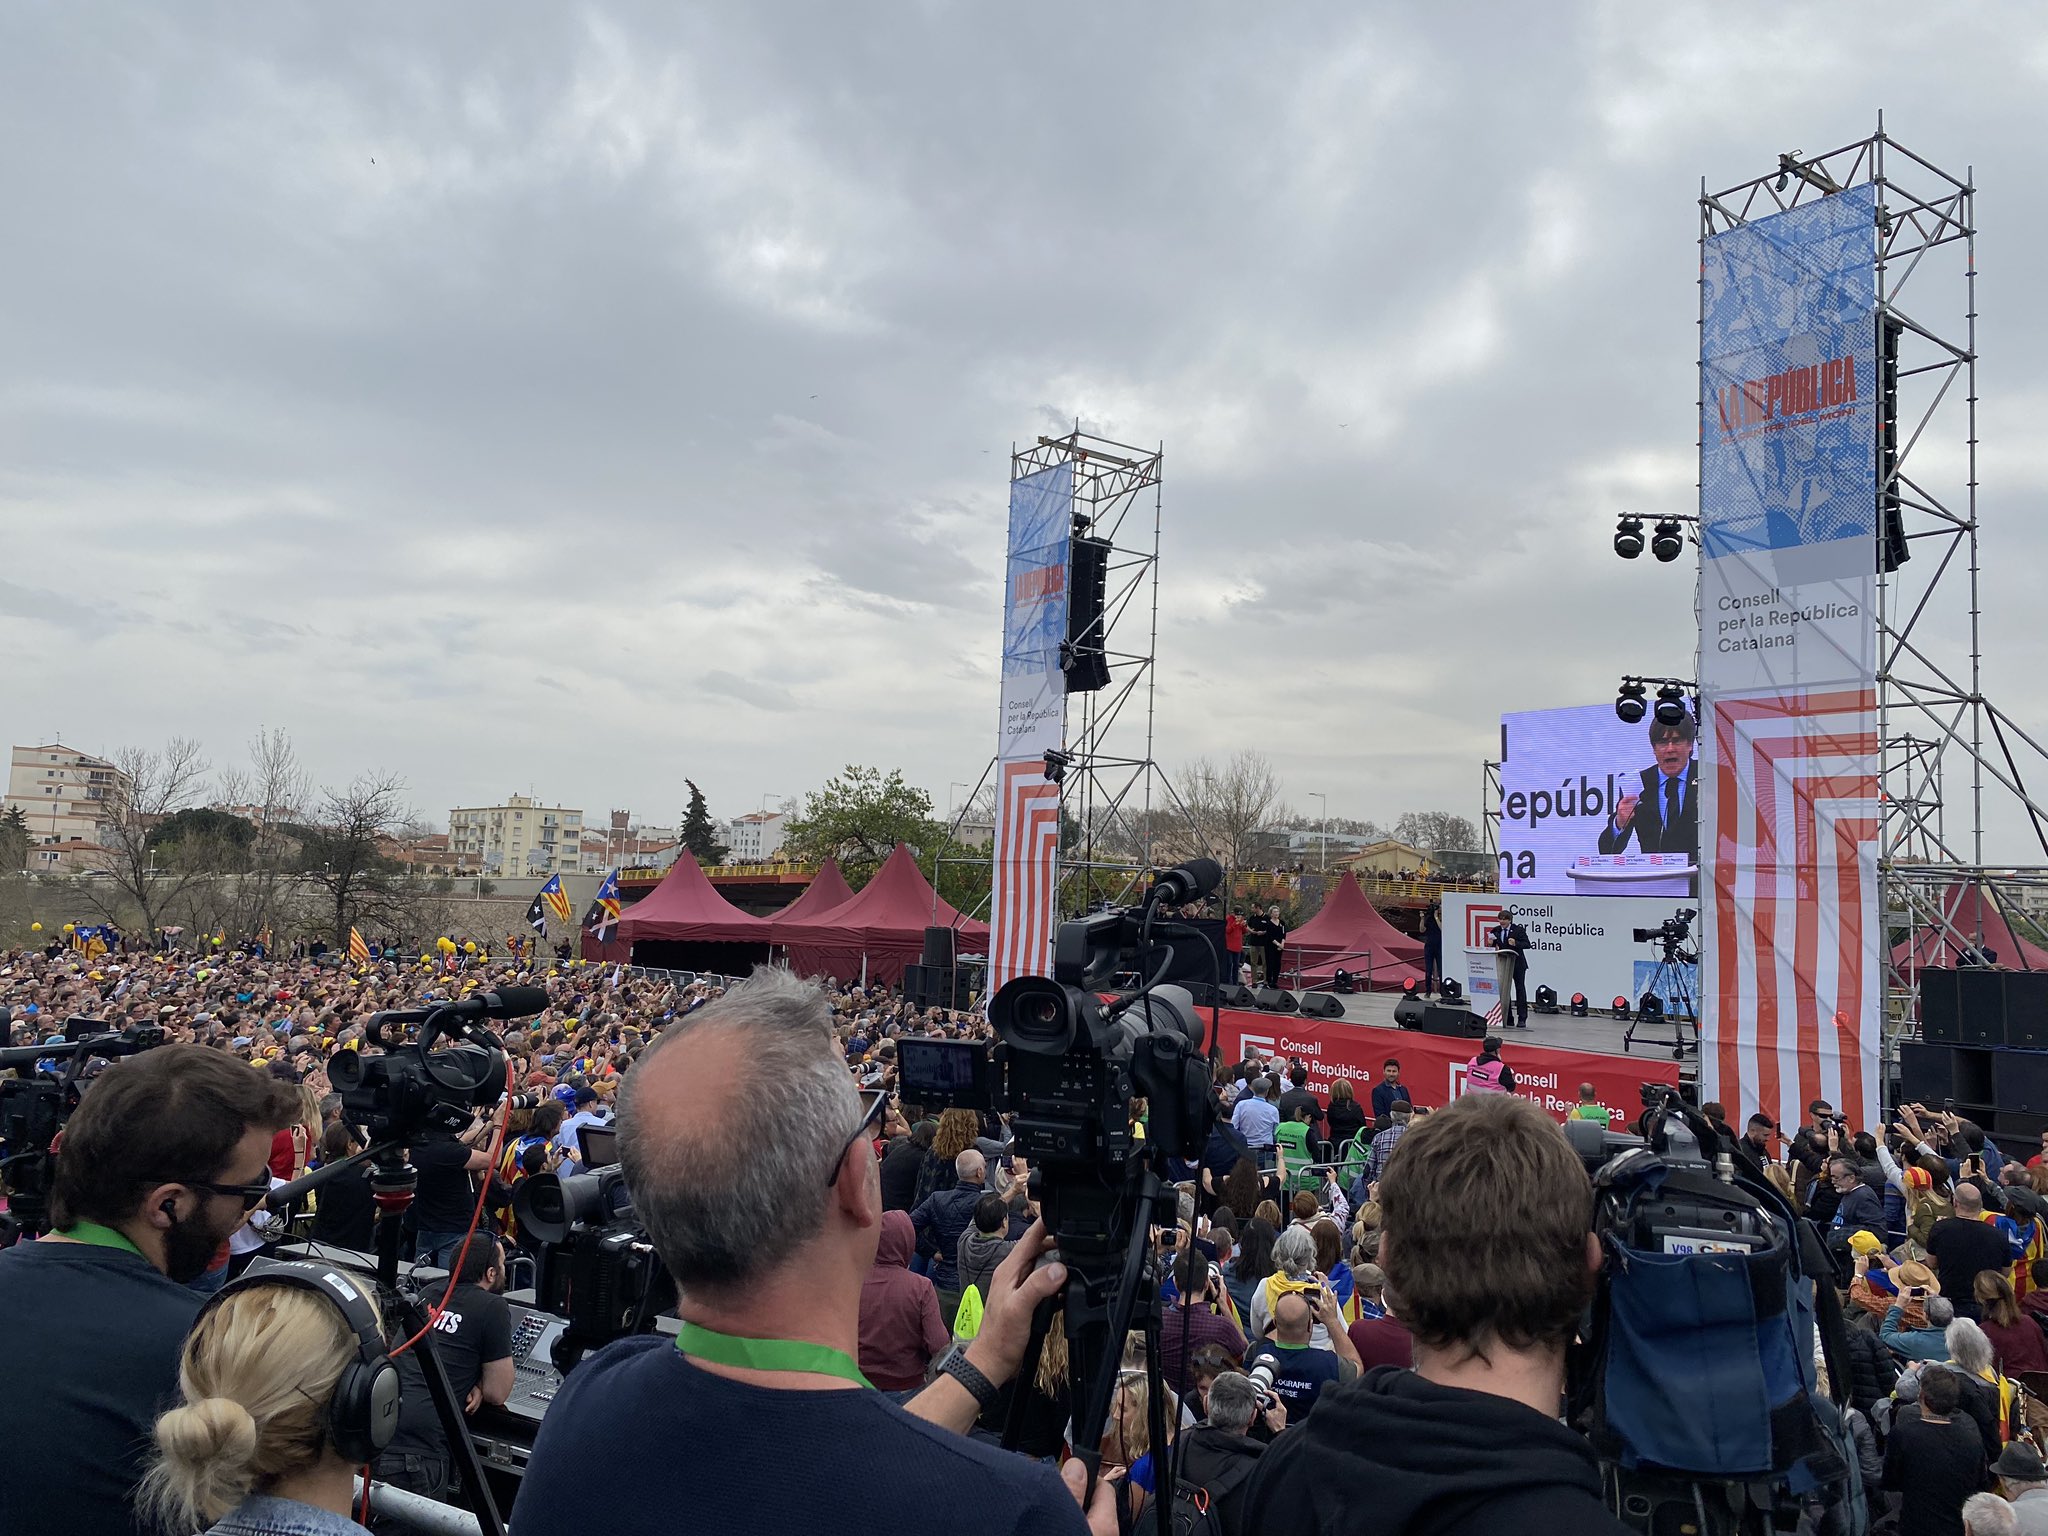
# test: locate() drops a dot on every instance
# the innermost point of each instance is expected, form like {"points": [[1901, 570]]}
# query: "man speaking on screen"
{"points": [[1664, 815]]}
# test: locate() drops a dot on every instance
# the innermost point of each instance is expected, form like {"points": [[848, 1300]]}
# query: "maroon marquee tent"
{"points": [[1349, 933], [881, 928], [684, 924], [828, 889]]}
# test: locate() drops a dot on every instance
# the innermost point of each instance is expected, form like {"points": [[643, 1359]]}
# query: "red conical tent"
{"points": [[882, 927], [1963, 909], [1349, 933], [828, 889], [686, 907]]}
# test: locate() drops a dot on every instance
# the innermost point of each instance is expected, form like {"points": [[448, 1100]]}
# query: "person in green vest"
{"points": [[1295, 1156], [1587, 1109]]}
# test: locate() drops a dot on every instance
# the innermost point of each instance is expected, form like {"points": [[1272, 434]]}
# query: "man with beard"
{"points": [[165, 1157]]}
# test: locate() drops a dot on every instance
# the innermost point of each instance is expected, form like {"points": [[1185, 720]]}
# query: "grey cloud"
{"points": [[661, 333]]}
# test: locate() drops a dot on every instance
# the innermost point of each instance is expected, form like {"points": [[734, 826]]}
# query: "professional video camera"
{"points": [[1694, 1370], [33, 1110], [1065, 1068], [413, 1088], [1672, 932], [598, 1271]]}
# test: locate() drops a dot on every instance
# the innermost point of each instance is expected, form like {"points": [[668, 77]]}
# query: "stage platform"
{"points": [[1557, 1031]]}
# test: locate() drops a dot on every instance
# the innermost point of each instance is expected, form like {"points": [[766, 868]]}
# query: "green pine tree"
{"points": [[698, 833]]}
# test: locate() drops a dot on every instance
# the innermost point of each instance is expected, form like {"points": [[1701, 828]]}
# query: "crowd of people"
{"points": [[1331, 1322]]}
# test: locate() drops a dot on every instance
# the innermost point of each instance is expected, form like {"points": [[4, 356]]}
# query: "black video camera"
{"points": [[598, 1270], [1066, 1065], [34, 1107], [1672, 932], [413, 1088]]}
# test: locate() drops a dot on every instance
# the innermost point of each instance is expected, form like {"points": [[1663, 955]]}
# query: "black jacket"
{"points": [[1647, 825], [1213, 1458], [1872, 1369], [1394, 1455]]}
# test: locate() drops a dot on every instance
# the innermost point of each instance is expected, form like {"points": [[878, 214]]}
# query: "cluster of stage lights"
{"points": [[1634, 700], [1667, 538]]}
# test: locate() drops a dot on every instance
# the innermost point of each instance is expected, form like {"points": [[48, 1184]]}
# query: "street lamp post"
{"points": [[1323, 837]]}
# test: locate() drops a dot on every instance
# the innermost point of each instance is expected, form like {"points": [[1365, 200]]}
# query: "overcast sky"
{"points": [[529, 396]]}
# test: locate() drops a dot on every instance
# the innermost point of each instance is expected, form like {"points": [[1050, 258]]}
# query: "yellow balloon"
{"points": [[469, 946], [35, 927], [425, 961], [71, 927]]}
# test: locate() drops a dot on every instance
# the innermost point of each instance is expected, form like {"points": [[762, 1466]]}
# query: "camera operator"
{"points": [[473, 1337], [1490, 1261], [446, 1196], [1219, 1455], [766, 1210], [164, 1158]]}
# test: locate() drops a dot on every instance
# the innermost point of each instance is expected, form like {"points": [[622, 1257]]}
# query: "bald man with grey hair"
{"points": [[766, 1207]]}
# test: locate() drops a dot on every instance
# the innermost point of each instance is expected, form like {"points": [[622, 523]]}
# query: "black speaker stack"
{"points": [[1437, 1019], [1983, 1047]]}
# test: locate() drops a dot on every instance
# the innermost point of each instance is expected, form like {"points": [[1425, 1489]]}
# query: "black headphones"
{"points": [[363, 1413]]}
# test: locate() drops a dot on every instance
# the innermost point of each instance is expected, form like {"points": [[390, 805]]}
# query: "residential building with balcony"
{"points": [[520, 837]]}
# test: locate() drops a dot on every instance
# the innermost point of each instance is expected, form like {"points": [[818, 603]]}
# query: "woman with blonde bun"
{"points": [[251, 1449]]}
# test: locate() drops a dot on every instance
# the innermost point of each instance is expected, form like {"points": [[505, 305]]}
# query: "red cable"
{"points": [[483, 1194]]}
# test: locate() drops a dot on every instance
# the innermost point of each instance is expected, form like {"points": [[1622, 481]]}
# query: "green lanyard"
{"points": [[99, 1237], [768, 1354]]}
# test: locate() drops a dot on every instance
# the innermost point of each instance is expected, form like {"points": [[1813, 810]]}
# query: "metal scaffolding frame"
{"points": [[1932, 713], [1113, 787]]}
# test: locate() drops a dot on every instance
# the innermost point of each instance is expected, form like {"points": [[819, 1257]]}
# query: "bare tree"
{"points": [[148, 788], [1223, 807], [1433, 831], [342, 855]]}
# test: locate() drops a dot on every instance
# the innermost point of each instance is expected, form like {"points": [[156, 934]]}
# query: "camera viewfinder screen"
{"points": [[954, 1072]]}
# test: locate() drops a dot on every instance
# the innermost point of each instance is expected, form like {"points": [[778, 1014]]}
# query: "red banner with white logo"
{"points": [[1433, 1066]]}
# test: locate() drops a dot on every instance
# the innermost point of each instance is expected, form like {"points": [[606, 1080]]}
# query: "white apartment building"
{"points": [[520, 837], [63, 793], [754, 838]]}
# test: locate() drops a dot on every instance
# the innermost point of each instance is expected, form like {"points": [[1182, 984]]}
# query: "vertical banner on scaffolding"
{"points": [[1022, 908], [1788, 660]]}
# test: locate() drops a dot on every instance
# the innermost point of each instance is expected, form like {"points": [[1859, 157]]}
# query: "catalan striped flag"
{"points": [[358, 951], [556, 898]]}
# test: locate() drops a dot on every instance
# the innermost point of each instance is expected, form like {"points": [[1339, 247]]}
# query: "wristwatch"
{"points": [[979, 1387]]}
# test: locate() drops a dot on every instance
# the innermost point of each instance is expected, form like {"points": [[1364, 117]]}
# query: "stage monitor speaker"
{"points": [[938, 946], [2019, 1081], [1980, 998], [1941, 1018], [1276, 1000], [1925, 1074], [1083, 658], [1460, 1022], [1231, 995], [1202, 995], [1410, 1012], [1322, 1005], [2026, 1009]]}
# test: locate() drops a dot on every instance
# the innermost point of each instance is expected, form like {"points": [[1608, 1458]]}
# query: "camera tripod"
{"points": [[1672, 988]]}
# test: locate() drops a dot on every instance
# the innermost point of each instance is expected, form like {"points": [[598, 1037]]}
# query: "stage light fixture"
{"points": [[1667, 542], [1580, 1007], [1451, 992], [1056, 765], [1344, 982], [1410, 987], [1546, 999], [1651, 1008], [1628, 537], [1620, 1008], [1670, 704], [1630, 708]]}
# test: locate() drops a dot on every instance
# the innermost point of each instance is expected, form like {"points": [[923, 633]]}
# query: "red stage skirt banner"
{"points": [[1433, 1066]]}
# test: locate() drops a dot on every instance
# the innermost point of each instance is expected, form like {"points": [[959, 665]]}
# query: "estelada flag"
{"points": [[556, 898]]}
